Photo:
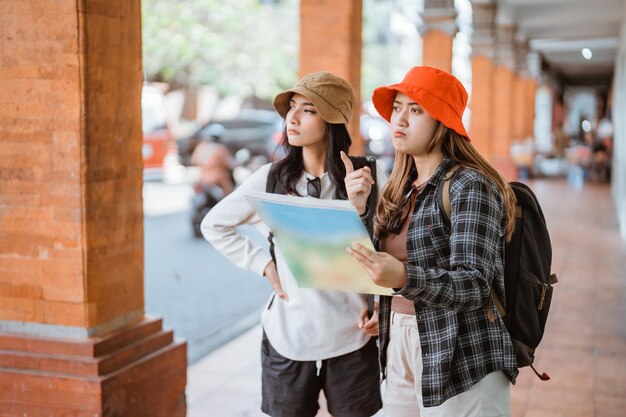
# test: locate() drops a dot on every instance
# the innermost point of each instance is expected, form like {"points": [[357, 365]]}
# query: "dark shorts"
{"points": [[350, 382]]}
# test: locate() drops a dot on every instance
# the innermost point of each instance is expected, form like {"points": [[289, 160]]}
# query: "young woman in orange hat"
{"points": [[313, 340], [443, 346]]}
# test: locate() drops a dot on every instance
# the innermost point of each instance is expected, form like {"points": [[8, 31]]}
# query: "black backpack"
{"points": [[527, 277], [274, 186]]}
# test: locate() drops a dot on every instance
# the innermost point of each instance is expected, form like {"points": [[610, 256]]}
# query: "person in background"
{"points": [[216, 164], [602, 151]]}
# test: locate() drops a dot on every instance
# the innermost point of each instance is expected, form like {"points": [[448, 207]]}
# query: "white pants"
{"points": [[402, 396]]}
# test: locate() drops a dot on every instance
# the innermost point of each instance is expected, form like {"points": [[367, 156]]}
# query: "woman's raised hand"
{"points": [[358, 184]]}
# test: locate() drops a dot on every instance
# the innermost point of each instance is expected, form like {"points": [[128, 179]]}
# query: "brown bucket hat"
{"points": [[332, 96]]}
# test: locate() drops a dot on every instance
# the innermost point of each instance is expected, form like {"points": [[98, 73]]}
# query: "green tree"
{"points": [[240, 47]]}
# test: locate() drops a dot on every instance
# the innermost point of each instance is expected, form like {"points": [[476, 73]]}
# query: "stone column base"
{"points": [[138, 371]]}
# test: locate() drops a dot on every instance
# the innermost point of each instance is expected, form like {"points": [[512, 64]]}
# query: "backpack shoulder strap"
{"points": [[496, 301], [443, 195], [272, 185]]}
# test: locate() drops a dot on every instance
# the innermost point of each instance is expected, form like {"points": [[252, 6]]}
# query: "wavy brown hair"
{"points": [[460, 150]]}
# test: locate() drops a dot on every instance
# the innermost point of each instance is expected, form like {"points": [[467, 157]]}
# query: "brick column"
{"points": [[438, 31], [503, 110], [73, 336], [525, 90], [533, 65], [530, 90], [483, 71], [521, 108], [330, 40], [521, 96]]}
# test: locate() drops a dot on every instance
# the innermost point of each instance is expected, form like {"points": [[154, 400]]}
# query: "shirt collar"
{"points": [[310, 176], [444, 166]]}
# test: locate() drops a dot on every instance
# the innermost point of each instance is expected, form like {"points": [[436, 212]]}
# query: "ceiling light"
{"points": [[586, 53]]}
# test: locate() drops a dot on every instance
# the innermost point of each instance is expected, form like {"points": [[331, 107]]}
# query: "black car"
{"points": [[252, 129]]}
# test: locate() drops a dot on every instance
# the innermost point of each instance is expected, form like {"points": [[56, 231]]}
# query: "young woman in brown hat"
{"points": [[312, 339], [443, 346]]}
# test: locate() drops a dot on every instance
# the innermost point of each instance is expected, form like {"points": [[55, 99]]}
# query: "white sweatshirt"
{"points": [[313, 324]]}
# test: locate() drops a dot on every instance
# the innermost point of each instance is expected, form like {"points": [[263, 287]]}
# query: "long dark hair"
{"points": [[290, 168]]}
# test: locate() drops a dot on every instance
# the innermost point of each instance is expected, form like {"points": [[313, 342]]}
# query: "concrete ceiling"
{"points": [[560, 29]]}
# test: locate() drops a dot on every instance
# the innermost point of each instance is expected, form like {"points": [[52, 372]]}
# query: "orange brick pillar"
{"points": [[482, 104], [483, 73], [73, 337], [524, 118], [530, 90], [503, 102], [330, 40], [524, 94], [521, 107], [533, 66], [438, 33]]}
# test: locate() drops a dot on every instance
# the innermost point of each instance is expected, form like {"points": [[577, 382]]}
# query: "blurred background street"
{"points": [[199, 294]]}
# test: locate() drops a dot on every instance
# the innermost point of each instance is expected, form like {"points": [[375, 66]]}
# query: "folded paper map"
{"points": [[312, 235]]}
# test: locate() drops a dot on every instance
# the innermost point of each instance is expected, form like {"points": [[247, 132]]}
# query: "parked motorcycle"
{"points": [[208, 193], [204, 199], [215, 178]]}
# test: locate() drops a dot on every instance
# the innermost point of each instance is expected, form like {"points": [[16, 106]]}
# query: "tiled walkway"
{"points": [[584, 350]]}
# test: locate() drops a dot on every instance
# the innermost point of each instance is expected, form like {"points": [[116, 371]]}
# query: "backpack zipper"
{"points": [[544, 289]]}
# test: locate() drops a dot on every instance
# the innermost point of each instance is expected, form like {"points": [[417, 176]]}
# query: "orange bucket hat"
{"points": [[438, 92]]}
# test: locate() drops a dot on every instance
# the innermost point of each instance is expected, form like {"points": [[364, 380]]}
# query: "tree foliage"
{"points": [[239, 47]]}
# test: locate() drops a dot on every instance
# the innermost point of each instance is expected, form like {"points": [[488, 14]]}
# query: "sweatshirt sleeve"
{"points": [[218, 227]]}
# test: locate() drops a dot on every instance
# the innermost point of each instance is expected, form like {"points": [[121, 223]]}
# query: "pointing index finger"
{"points": [[347, 163]]}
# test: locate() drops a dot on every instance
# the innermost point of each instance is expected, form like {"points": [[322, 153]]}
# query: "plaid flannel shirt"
{"points": [[450, 274]]}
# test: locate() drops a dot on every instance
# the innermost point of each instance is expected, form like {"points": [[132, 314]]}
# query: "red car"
{"points": [[158, 141]]}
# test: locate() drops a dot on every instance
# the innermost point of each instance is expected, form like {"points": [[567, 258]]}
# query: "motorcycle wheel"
{"points": [[197, 220]]}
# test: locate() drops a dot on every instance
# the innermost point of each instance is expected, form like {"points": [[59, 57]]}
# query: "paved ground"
{"points": [[584, 349]]}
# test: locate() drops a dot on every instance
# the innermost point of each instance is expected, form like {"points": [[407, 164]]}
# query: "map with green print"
{"points": [[312, 235]]}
